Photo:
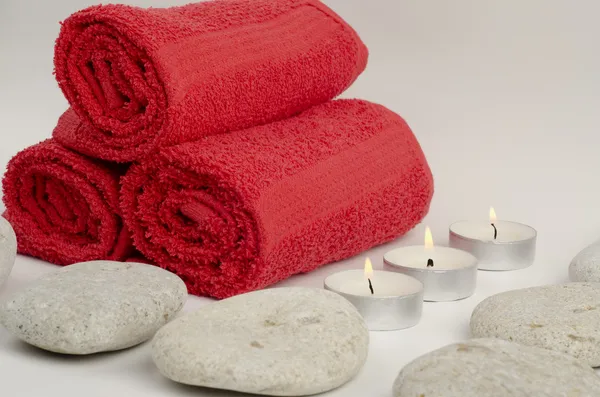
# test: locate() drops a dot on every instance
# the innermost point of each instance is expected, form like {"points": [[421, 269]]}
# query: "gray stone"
{"points": [[94, 306], [496, 368], [586, 264], [564, 318], [280, 342], [8, 249]]}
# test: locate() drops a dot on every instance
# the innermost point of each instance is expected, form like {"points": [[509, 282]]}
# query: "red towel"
{"points": [[237, 212], [143, 78], [63, 206]]}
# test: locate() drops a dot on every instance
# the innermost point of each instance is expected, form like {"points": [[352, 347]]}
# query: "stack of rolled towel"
{"points": [[205, 138]]}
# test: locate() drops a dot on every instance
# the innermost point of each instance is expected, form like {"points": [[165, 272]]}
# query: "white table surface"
{"points": [[503, 95]]}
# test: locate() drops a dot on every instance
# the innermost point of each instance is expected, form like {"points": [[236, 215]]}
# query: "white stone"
{"points": [[8, 249], [280, 342], [564, 318], [586, 264], [496, 368], [94, 306]]}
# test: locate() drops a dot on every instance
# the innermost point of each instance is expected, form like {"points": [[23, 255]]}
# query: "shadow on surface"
{"points": [[17, 346], [186, 390]]}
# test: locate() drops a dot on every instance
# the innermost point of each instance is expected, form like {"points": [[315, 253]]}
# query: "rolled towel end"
{"points": [[64, 206], [111, 83], [193, 227]]}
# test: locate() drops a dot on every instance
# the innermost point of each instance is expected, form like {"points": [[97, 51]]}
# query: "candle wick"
{"points": [[495, 231], [429, 262], [371, 286]]}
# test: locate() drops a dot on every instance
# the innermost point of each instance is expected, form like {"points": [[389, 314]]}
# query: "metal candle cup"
{"points": [[513, 248], [397, 301], [453, 275]]}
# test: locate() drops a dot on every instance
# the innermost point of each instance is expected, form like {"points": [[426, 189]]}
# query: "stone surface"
{"points": [[586, 264], [94, 306], [8, 249], [564, 317], [281, 342], [496, 368]]}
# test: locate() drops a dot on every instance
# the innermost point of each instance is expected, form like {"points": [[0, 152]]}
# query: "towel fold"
{"points": [[144, 78], [63, 206], [237, 212]]}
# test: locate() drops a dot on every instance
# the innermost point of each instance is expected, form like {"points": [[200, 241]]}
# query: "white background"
{"points": [[503, 96]]}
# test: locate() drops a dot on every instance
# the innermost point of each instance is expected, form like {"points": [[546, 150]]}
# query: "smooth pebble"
{"points": [[93, 307], [496, 368], [8, 249], [280, 342], [586, 264], [564, 318]]}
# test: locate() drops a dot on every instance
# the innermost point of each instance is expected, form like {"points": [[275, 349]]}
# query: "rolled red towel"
{"points": [[237, 212], [143, 78], [63, 206]]}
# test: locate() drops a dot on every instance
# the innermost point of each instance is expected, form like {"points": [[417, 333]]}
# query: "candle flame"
{"points": [[493, 217], [368, 269], [428, 238]]}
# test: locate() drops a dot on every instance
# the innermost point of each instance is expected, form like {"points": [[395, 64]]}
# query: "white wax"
{"points": [[384, 283], [480, 230], [416, 256]]}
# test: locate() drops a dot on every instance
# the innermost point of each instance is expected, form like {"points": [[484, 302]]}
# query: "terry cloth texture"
{"points": [[146, 78], [64, 206], [237, 212]]}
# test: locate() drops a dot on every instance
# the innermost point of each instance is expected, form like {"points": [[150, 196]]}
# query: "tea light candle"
{"points": [[498, 245], [386, 300], [447, 274]]}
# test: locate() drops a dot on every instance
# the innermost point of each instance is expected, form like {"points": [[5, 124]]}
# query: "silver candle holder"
{"points": [[394, 302], [498, 246], [447, 274]]}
